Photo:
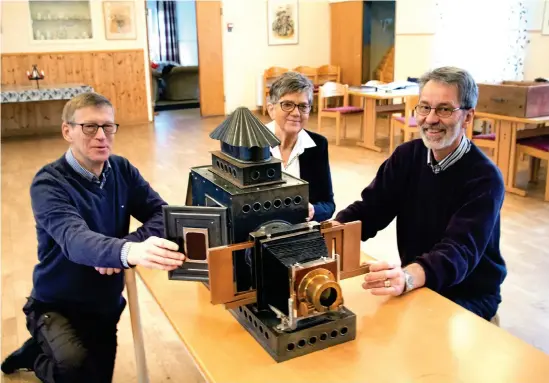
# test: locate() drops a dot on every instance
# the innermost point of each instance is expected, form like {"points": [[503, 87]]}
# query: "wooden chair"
{"points": [[268, 78], [538, 150], [328, 73], [309, 72], [407, 124], [487, 139], [312, 74], [331, 90]]}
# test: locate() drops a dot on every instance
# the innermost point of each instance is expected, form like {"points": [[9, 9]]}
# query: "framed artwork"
{"points": [[282, 22], [119, 20], [545, 25]]}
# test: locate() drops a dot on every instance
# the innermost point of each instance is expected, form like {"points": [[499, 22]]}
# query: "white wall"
{"points": [[246, 53], [186, 32], [17, 35], [414, 39]]}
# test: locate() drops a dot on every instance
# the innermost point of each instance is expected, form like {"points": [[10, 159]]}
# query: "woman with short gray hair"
{"points": [[304, 154]]}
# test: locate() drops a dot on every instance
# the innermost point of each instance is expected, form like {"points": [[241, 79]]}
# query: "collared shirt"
{"points": [[73, 162], [450, 159], [304, 141]]}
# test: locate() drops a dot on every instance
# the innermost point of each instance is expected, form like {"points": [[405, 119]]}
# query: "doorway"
{"points": [[173, 52], [378, 55]]}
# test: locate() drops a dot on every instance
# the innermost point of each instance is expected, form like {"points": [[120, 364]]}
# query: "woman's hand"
{"points": [[311, 212]]}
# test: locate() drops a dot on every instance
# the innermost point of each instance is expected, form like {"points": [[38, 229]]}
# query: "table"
{"points": [[419, 337], [509, 129], [371, 110], [28, 110]]}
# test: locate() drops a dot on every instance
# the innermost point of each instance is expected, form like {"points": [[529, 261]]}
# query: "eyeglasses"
{"points": [[91, 129], [441, 111], [289, 106]]}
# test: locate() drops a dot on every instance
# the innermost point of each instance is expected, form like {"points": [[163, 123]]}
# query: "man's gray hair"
{"points": [[83, 100], [466, 85], [288, 83]]}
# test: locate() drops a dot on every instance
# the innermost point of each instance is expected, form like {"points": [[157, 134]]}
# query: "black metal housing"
{"points": [[314, 334]]}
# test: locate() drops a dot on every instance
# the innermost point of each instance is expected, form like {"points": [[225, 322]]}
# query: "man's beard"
{"points": [[447, 135]]}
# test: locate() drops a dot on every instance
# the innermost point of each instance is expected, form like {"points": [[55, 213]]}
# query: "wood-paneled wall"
{"points": [[118, 75]]}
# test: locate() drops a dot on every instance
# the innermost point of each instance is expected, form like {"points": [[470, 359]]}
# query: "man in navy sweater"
{"points": [[446, 196], [82, 205]]}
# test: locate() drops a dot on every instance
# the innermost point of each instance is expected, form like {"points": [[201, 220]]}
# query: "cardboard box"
{"points": [[524, 99]]}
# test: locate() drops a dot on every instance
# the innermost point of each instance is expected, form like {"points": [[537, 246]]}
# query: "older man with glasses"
{"points": [[82, 204], [446, 196]]}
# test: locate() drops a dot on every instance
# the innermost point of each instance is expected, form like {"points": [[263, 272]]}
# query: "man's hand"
{"points": [[384, 279], [155, 253], [311, 212], [107, 270]]}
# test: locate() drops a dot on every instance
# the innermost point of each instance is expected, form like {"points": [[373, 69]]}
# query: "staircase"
{"points": [[385, 71]]}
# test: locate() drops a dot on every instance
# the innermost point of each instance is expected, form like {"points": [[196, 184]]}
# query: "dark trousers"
{"points": [[75, 346]]}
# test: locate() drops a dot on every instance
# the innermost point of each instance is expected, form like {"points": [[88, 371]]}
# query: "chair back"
{"points": [[328, 73], [409, 109], [309, 72], [330, 90], [270, 75]]}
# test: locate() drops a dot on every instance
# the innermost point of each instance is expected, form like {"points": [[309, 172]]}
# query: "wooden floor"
{"points": [[164, 152]]}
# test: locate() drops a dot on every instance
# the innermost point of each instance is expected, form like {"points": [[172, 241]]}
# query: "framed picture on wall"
{"points": [[119, 19], [545, 25], [282, 22]]}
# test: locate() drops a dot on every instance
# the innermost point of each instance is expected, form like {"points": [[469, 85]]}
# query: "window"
{"points": [[484, 37]]}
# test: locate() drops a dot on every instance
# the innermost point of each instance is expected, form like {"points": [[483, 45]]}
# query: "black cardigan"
{"points": [[314, 167]]}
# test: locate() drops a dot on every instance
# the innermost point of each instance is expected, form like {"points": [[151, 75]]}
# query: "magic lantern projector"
{"points": [[245, 235]]}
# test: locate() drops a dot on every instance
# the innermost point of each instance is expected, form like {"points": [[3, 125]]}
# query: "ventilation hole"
{"points": [[245, 314], [287, 201], [298, 199], [312, 340], [323, 337], [270, 173], [260, 328], [301, 343], [344, 331], [333, 334], [224, 167], [257, 206], [266, 335], [246, 208], [290, 347], [255, 175], [217, 163], [240, 309], [267, 205], [234, 173], [255, 323], [250, 318], [277, 203]]}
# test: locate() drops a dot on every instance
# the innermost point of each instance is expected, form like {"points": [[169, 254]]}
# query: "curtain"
{"points": [[163, 42], [487, 38], [167, 31]]}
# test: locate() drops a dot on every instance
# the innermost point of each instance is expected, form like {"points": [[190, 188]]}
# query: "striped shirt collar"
{"points": [[450, 159], [73, 162]]}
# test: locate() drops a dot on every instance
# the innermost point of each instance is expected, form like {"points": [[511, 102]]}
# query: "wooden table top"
{"points": [[419, 337], [357, 91]]}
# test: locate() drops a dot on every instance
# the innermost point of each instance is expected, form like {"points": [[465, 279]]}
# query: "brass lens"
{"points": [[320, 289]]}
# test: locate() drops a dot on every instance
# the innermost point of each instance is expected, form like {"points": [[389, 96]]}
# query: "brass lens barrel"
{"points": [[320, 289]]}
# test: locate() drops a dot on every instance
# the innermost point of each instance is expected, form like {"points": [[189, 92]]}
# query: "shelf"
{"points": [[60, 21]]}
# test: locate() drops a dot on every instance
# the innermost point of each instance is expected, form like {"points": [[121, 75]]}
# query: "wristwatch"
{"points": [[408, 281]]}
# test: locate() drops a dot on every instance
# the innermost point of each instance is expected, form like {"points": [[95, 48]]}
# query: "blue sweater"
{"points": [[81, 225], [448, 222]]}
